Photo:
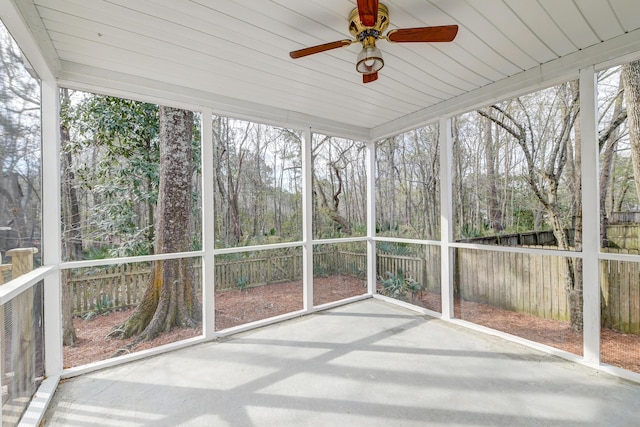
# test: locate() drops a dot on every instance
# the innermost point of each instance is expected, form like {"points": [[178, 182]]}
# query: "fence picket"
{"points": [[614, 289], [510, 288], [518, 289], [634, 298], [554, 288], [625, 306]]}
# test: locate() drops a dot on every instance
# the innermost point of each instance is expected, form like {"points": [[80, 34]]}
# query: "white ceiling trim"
{"points": [[545, 75], [80, 77], [33, 40]]}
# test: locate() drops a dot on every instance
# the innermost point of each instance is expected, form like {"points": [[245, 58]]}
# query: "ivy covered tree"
{"points": [[112, 164], [130, 187], [170, 299]]}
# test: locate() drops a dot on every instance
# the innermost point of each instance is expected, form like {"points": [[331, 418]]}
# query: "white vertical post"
{"points": [[307, 225], [208, 226], [446, 218], [590, 216], [371, 217], [51, 227], [50, 161]]}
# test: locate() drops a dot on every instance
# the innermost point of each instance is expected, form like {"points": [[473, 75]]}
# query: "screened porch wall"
{"points": [[51, 230]]}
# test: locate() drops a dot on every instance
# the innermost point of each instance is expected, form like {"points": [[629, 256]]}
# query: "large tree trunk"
{"points": [[631, 81], [170, 299]]}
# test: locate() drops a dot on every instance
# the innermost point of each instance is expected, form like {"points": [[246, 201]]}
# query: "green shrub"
{"points": [[399, 287]]}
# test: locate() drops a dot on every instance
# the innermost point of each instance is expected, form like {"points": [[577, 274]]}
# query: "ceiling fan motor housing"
{"points": [[359, 31]]}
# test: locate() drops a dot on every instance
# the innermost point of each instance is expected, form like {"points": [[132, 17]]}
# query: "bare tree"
{"points": [[491, 160], [20, 201], [332, 160], [407, 202], [608, 143], [547, 152], [229, 161]]}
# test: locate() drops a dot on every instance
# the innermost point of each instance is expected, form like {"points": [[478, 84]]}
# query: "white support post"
{"points": [[371, 217], [446, 218], [208, 226], [307, 225], [51, 227], [590, 215]]}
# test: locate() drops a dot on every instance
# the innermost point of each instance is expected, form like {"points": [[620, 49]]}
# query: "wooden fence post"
{"points": [[21, 260], [3, 268]]}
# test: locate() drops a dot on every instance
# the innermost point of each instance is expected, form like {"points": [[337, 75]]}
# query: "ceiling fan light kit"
{"points": [[367, 23], [369, 60]]}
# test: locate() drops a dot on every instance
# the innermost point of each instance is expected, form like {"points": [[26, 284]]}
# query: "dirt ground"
{"points": [[233, 308], [237, 307]]}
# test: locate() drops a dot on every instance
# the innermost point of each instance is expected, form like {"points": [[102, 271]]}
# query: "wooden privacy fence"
{"points": [[118, 286], [620, 293], [624, 217], [251, 272], [527, 283], [529, 238], [106, 288], [625, 236], [424, 270], [340, 262], [534, 284]]}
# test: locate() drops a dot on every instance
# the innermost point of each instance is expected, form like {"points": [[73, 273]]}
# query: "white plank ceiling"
{"points": [[232, 55]]}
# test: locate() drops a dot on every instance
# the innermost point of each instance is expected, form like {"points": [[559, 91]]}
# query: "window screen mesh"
{"points": [[21, 347]]}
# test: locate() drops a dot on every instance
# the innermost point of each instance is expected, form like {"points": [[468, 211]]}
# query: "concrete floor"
{"points": [[365, 364]]}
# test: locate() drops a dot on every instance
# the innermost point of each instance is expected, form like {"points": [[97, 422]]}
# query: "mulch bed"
{"points": [[616, 348], [237, 307]]}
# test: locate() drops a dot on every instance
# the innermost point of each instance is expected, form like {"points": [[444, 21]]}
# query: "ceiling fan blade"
{"points": [[368, 11], [319, 48], [445, 33], [368, 78]]}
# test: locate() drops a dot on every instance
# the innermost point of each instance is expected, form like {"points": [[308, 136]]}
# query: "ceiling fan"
{"points": [[367, 22]]}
